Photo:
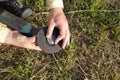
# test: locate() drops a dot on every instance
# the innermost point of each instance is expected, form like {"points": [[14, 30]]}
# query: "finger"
{"points": [[66, 40], [33, 41], [30, 43], [61, 36], [36, 47], [32, 46], [68, 43], [50, 29], [69, 39]]}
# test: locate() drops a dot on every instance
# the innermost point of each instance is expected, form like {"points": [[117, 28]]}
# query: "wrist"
{"points": [[55, 3], [56, 11]]}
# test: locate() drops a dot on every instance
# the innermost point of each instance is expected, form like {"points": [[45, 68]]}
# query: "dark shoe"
{"points": [[16, 8]]}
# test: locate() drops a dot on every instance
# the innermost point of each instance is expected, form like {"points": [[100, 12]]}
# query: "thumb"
{"points": [[50, 28]]}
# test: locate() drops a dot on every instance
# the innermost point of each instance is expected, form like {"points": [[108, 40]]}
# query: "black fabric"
{"points": [[13, 6]]}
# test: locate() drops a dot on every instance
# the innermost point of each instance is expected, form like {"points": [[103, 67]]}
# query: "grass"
{"points": [[94, 53]]}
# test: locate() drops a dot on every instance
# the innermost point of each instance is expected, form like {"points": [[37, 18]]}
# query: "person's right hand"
{"points": [[58, 19], [17, 39]]}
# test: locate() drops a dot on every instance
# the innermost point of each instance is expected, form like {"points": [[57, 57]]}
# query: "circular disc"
{"points": [[47, 44]]}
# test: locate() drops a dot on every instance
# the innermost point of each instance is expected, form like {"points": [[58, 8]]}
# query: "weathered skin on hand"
{"points": [[58, 19]]}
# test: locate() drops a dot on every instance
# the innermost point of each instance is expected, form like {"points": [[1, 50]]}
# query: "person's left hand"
{"points": [[17, 39], [58, 19]]}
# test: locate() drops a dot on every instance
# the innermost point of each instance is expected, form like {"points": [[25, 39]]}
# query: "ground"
{"points": [[94, 52]]}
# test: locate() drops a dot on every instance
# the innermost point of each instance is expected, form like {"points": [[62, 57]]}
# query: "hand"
{"points": [[57, 19], [16, 39]]}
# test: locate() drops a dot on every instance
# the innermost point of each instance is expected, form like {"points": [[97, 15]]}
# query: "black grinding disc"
{"points": [[47, 44]]}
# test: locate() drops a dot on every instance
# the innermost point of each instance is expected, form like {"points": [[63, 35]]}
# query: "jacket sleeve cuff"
{"points": [[4, 31], [54, 3]]}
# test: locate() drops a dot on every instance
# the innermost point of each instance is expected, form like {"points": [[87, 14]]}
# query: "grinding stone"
{"points": [[45, 44]]}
